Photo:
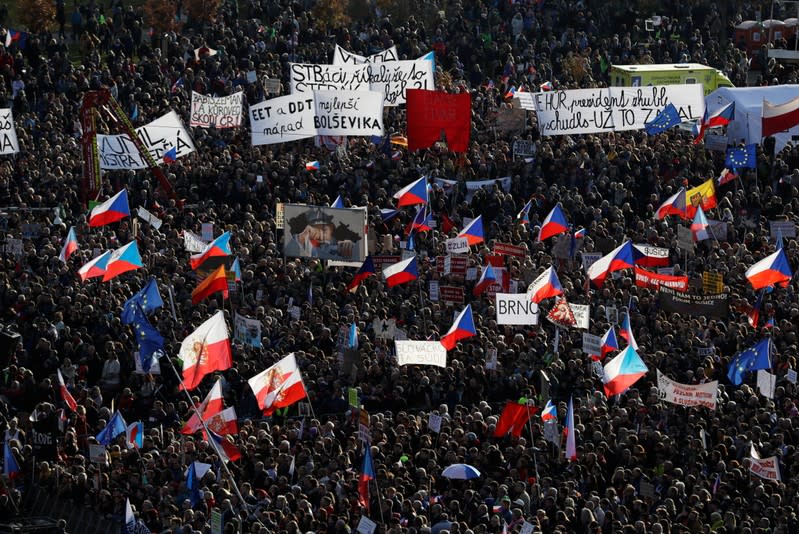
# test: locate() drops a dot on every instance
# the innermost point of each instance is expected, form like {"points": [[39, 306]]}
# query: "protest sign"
{"points": [[8, 134], [712, 282], [434, 423], [644, 278], [454, 265], [366, 526], [343, 57], [472, 186], [392, 78], [592, 344], [510, 250], [247, 331], [384, 328], [766, 468], [589, 258], [782, 228], [612, 314], [457, 245], [272, 85], [685, 239], [509, 120], [167, 132], [523, 148], [192, 242], [348, 113], [207, 232], [98, 454], [649, 256], [381, 262], [145, 215], [421, 353], [583, 111], [433, 290], [452, 294], [791, 376], [716, 142], [212, 112], [766, 383], [283, 119], [687, 394], [672, 301], [516, 308], [582, 315], [307, 77]]}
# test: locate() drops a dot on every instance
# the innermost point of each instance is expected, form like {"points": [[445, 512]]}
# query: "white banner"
{"points": [[247, 331], [421, 353], [192, 242], [119, 152], [582, 111], [766, 383], [686, 394], [8, 134], [767, 468], [472, 186], [582, 315], [393, 78], [213, 112], [457, 245], [348, 113], [342, 57], [145, 215], [282, 119], [592, 344], [516, 308], [307, 77], [658, 253]]}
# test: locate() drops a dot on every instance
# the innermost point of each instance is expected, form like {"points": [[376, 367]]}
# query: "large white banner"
{"points": [[212, 112], [687, 394], [307, 77], [348, 113], [581, 111], [516, 308], [302, 115], [421, 353], [118, 151], [342, 57], [8, 134], [394, 77]]}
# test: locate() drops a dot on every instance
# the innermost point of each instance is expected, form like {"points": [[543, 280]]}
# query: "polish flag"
{"points": [[209, 407], [65, 394], [205, 350], [224, 423], [278, 386]]}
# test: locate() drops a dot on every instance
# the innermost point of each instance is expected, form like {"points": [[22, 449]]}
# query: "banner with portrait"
{"points": [[324, 233]]}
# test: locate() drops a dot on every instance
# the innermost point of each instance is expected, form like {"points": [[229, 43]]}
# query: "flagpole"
{"points": [[421, 306], [379, 496]]}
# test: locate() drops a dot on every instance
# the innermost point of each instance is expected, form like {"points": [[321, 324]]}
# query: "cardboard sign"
{"points": [[523, 148], [592, 344], [712, 282], [421, 353], [457, 245], [516, 309], [207, 232], [687, 394], [213, 112], [366, 526], [452, 294], [8, 134], [167, 132], [510, 250]]}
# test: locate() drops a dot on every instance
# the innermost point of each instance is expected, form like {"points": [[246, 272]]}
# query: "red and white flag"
{"points": [[224, 423], [65, 394], [779, 117], [205, 350], [209, 407], [278, 386]]}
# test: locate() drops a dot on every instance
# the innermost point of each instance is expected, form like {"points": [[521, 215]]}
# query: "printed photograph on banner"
{"points": [[216, 112], [324, 233], [247, 331], [160, 136]]}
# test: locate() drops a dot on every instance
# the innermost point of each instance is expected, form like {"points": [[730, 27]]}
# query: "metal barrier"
{"points": [[40, 502]]}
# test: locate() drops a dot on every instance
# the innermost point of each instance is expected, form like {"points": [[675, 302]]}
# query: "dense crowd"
{"points": [[642, 465]]}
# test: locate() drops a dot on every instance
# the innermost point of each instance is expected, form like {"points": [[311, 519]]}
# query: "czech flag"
{"points": [[609, 343], [771, 270], [338, 203], [134, 435], [580, 233], [209, 407], [420, 222], [473, 231], [623, 371], [546, 86], [753, 317], [545, 286], [70, 245], [550, 412], [114, 209], [367, 474], [487, 279], [627, 331], [368, 268], [10, 464], [225, 448], [462, 328], [412, 194], [122, 260], [571, 446], [524, 215], [16, 36], [699, 225], [674, 205], [312, 166], [236, 270], [387, 214], [171, 155], [511, 92], [205, 350], [95, 267], [722, 117], [66, 396], [218, 247], [619, 258], [554, 224], [401, 272], [214, 282], [278, 386]]}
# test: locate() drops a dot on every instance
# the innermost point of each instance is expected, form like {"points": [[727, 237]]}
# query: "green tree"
{"points": [[36, 15]]}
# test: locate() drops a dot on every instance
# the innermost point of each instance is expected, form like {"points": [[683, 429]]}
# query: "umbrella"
{"points": [[460, 472]]}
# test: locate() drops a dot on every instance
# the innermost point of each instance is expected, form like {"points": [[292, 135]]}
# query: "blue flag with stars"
{"points": [[667, 118], [148, 299], [752, 359], [150, 341], [741, 157]]}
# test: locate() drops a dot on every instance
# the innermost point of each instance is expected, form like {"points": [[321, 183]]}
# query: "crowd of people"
{"points": [[643, 466]]}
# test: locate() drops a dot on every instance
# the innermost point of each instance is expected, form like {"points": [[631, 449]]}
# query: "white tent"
{"points": [[748, 108]]}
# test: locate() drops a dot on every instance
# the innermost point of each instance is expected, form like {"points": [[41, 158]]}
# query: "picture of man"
{"points": [[318, 233]]}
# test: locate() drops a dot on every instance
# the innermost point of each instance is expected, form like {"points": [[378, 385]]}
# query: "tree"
{"points": [[161, 15], [37, 15], [331, 14], [201, 10]]}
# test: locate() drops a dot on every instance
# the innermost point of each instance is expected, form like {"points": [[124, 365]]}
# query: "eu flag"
{"points": [[148, 298], [115, 427], [150, 341], [192, 484], [751, 359], [741, 157], [667, 118]]}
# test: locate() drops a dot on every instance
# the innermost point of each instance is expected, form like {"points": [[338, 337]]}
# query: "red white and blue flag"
{"points": [[462, 328], [621, 257], [218, 247], [367, 269], [473, 231], [554, 224], [772, 270], [674, 205], [94, 267], [401, 272], [367, 474], [547, 285], [550, 412], [125, 258], [571, 445], [412, 194], [114, 209], [70, 245], [623, 371], [722, 117], [627, 331], [487, 279], [609, 343]]}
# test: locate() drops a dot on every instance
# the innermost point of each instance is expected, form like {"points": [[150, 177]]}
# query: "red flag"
{"points": [[278, 386], [65, 394], [209, 407], [205, 350], [430, 112], [514, 417], [446, 223]]}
